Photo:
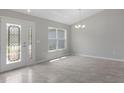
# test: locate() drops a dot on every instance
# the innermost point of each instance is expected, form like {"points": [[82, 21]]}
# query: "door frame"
{"points": [[31, 61]]}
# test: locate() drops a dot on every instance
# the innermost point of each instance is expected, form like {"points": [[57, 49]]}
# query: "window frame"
{"points": [[57, 39]]}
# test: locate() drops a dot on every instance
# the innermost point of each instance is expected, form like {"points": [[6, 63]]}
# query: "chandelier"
{"points": [[79, 25]]}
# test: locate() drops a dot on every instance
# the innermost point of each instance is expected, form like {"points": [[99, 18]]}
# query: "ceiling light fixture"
{"points": [[79, 26]]}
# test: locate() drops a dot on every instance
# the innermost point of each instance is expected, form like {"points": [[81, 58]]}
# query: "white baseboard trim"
{"points": [[98, 57], [48, 59], [40, 61]]}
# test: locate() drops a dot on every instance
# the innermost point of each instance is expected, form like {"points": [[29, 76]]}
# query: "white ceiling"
{"points": [[66, 16]]}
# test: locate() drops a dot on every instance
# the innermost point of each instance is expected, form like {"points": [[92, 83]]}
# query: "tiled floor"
{"points": [[73, 69]]}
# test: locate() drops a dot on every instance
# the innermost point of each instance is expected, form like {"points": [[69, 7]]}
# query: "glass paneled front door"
{"points": [[17, 39]]}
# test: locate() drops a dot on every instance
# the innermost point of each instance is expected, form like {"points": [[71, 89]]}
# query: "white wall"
{"points": [[41, 34], [102, 37]]}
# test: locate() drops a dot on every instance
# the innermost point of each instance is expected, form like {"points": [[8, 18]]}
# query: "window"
{"points": [[52, 39], [56, 39], [13, 47], [61, 39]]}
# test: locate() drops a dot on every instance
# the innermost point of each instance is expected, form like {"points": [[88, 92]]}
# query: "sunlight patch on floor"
{"points": [[57, 59]]}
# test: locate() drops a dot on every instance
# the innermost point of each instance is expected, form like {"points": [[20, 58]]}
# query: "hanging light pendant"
{"points": [[79, 26]]}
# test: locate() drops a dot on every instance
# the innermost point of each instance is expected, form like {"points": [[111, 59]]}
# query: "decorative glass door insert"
{"points": [[14, 43]]}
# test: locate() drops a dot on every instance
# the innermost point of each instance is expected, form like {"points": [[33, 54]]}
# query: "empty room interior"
{"points": [[61, 46]]}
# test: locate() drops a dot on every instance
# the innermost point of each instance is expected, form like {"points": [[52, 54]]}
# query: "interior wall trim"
{"points": [[98, 57], [48, 59]]}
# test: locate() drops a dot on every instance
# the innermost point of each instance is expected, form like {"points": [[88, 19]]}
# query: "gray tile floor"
{"points": [[73, 69]]}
